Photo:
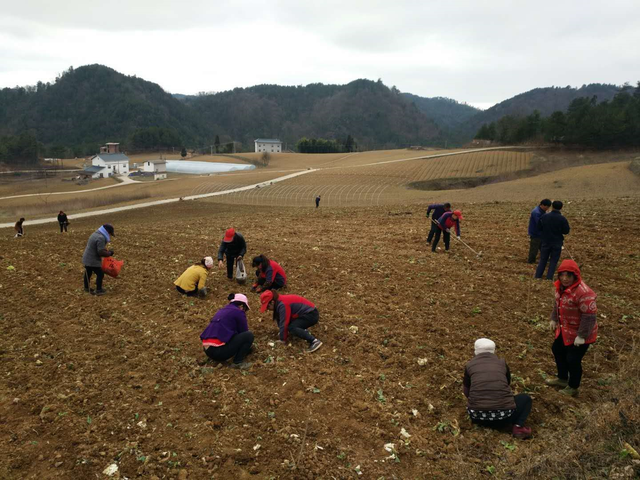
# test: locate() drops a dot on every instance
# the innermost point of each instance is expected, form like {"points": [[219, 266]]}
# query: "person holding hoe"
{"points": [[228, 335], [270, 275], [94, 252], [574, 322], [193, 280], [438, 209], [490, 401], [293, 314], [446, 222], [234, 247]]}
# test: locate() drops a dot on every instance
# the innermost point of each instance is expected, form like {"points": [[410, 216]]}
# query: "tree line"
{"points": [[320, 145], [614, 123]]}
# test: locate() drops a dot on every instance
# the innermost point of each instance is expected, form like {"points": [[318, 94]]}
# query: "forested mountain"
{"points": [[94, 104], [545, 100], [375, 115], [445, 112]]}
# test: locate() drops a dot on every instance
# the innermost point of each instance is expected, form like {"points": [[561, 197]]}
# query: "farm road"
{"points": [[224, 192]]}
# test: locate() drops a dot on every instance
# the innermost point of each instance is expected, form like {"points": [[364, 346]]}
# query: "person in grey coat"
{"points": [[95, 250]]}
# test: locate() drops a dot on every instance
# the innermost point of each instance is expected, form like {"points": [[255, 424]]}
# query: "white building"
{"points": [[108, 162], [268, 145], [157, 167]]}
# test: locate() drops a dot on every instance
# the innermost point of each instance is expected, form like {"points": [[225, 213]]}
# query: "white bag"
{"points": [[241, 272]]}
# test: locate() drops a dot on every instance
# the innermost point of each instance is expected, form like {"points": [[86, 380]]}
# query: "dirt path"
{"points": [[124, 180]]}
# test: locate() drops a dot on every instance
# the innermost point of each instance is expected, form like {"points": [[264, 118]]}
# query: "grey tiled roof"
{"points": [[93, 169], [113, 157], [267, 140]]}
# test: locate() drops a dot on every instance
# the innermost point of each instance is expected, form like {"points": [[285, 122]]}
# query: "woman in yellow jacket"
{"points": [[192, 281]]}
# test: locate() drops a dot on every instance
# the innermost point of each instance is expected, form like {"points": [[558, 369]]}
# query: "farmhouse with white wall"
{"points": [[108, 162], [270, 145], [157, 167]]}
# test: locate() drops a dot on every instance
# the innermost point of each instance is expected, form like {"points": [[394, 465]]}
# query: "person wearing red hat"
{"points": [[446, 222], [234, 247], [574, 322], [270, 274], [293, 314], [228, 335]]}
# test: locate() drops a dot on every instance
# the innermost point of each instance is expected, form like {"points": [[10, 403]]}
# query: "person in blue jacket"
{"points": [[438, 209], [228, 335], [535, 234], [553, 227]]}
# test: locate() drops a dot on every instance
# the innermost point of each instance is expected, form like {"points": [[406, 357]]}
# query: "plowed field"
{"points": [[90, 382]]}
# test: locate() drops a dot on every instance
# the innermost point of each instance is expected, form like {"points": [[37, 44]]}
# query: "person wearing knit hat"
{"points": [[574, 322], [234, 247], [193, 279], [490, 401], [293, 314], [446, 222], [228, 335], [94, 252]]}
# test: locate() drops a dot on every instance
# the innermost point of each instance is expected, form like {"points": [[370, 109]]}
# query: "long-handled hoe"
{"points": [[478, 254]]}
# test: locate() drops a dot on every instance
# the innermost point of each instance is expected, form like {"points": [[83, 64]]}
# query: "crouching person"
{"points": [[228, 333], [193, 280], [293, 314], [490, 401], [270, 275]]}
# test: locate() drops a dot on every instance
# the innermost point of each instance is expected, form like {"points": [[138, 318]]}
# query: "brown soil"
{"points": [[91, 381]]}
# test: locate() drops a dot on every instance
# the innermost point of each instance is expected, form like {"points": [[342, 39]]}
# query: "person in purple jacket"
{"points": [[439, 209], [228, 334]]}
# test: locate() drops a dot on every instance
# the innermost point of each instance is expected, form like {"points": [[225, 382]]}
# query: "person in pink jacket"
{"points": [[575, 325]]}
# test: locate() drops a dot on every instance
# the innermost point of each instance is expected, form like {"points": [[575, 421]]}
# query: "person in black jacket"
{"points": [[234, 247], [439, 209], [553, 227], [63, 221]]}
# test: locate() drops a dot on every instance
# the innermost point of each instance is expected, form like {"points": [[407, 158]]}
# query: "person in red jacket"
{"points": [[574, 322], [270, 274], [293, 314], [446, 222]]}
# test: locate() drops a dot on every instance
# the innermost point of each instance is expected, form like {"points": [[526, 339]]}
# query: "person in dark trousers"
{"points": [[228, 335], [574, 321], [234, 247], [438, 209], [317, 201], [446, 222], [19, 228], [534, 232], [63, 221], [490, 401], [553, 227], [293, 314], [193, 280], [95, 250], [270, 275]]}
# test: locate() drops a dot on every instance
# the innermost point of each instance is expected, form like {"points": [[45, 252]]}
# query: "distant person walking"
{"points": [[438, 209], [293, 314], [228, 335], [234, 247], [95, 250], [553, 227], [446, 222], [535, 234], [63, 221], [193, 280], [574, 321], [317, 201], [270, 275], [19, 228]]}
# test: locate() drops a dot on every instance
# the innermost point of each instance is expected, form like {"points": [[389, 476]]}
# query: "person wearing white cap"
{"points": [[490, 401], [193, 279], [228, 335]]}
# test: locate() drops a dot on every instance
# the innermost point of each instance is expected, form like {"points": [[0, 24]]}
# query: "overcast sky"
{"points": [[479, 52]]}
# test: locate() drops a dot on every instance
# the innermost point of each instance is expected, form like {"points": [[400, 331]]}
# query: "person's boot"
{"points": [[556, 382], [315, 345], [521, 432], [570, 392], [99, 291], [241, 366]]}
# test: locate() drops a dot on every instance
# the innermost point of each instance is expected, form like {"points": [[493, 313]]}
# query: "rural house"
{"points": [[157, 167], [108, 162], [268, 145]]}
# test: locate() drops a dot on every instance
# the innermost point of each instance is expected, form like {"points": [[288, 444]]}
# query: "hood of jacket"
{"points": [[570, 266]]}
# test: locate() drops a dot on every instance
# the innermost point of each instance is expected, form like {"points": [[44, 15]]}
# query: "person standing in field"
{"points": [[19, 228], [270, 275], [193, 280], [94, 252], [446, 222], [317, 201], [234, 247], [490, 401], [553, 227], [63, 221], [228, 335], [534, 232], [293, 314], [574, 321], [438, 209]]}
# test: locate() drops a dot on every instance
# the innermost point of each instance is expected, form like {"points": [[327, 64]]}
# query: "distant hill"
{"points": [[445, 112], [545, 100]]}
